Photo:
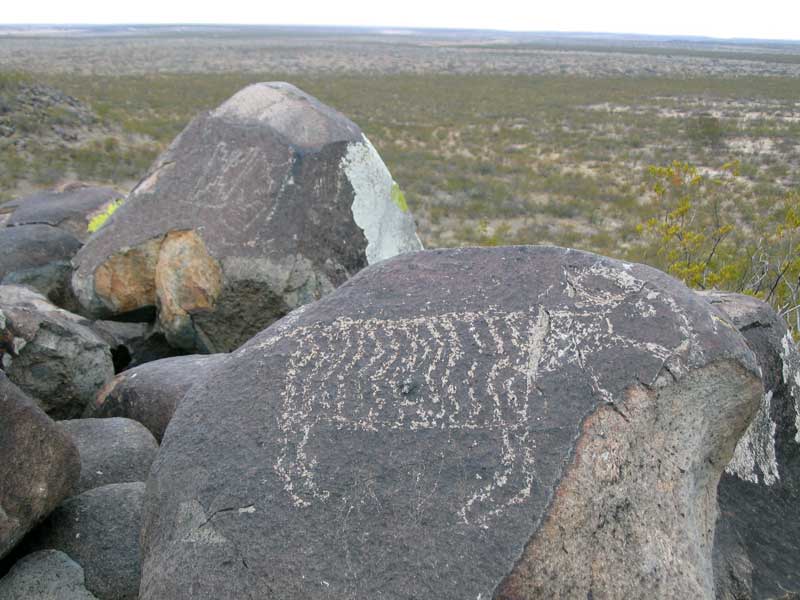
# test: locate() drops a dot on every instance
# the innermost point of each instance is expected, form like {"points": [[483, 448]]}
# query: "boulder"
{"points": [[39, 466], [70, 209], [112, 450], [39, 256], [133, 344], [262, 205], [508, 423], [99, 529], [50, 354], [757, 546], [150, 393], [45, 575]]}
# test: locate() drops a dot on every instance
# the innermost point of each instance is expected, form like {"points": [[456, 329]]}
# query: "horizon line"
{"points": [[661, 36]]}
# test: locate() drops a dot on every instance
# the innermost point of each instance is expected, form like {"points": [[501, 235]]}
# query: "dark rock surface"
{"points": [[39, 256], [262, 205], [757, 546], [150, 393], [50, 353], [133, 344], [45, 575], [111, 450], [525, 422], [70, 209], [99, 529], [39, 465]]}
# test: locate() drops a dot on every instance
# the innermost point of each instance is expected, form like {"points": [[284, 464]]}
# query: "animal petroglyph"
{"points": [[477, 371]]}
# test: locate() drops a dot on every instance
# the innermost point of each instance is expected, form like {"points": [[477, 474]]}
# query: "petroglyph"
{"points": [[472, 371]]}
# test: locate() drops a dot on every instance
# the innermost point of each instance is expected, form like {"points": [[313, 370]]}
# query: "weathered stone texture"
{"points": [[50, 353], [150, 393], [525, 422], [262, 205], [39, 465], [757, 546]]}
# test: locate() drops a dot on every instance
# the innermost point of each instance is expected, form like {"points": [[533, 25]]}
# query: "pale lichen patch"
{"points": [[755, 452], [376, 207]]}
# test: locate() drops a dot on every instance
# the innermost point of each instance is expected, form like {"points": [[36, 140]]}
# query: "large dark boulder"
{"points": [[39, 465], [39, 256], [150, 393], [112, 450], [45, 575], [757, 547], [50, 353], [509, 423], [98, 529], [70, 209], [262, 205]]}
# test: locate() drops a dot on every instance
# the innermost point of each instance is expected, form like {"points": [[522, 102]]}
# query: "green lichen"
{"points": [[98, 221], [399, 198]]}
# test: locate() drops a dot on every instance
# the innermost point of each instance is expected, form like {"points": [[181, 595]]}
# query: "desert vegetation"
{"points": [[493, 141]]}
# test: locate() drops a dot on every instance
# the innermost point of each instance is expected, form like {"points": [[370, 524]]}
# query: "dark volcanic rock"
{"points": [[112, 450], [39, 464], [50, 354], [150, 393], [133, 344], [260, 206], [45, 575], [99, 529], [70, 209], [526, 422], [39, 256], [757, 546]]}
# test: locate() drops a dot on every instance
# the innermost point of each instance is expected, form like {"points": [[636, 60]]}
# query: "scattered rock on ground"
{"points": [[45, 575], [112, 450], [39, 256], [262, 205], [757, 547], [99, 529], [48, 353], [524, 422], [149, 393], [69, 209], [39, 465]]}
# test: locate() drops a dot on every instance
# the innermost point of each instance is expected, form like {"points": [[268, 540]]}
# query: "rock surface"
{"points": [[509, 423], [69, 209], [757, 546], [262, 205], [50, 354], [99, 529], [45, 575], [150, 393], [111, 450], [39, 256], [39, 465], [133, 344]]}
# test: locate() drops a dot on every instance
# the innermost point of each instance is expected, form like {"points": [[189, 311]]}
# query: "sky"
{"points": [[770, 19]]}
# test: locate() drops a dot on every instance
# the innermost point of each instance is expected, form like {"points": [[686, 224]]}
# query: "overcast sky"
{"points": [[776, 19]]}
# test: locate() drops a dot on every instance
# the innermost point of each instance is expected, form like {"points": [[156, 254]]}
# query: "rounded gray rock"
{"points": [[45, 575], [112, 450], [508, 423], [69, 209], [39, 256], [757, 544], [264, 204], [150, 392], [99, 529], [50, 354], [39, 465]]}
